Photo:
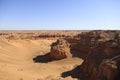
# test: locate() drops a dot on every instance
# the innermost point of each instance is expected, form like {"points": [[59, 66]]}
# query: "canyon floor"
{"points": [[16, 61]]}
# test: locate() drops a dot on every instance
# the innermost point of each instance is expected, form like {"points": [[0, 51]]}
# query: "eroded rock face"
{"points": [[60, 50], [103, 61], [108, 70]]}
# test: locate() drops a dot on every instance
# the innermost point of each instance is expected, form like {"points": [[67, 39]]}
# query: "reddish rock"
{"points": [[108, 70], [103, 60], [60, 50]]}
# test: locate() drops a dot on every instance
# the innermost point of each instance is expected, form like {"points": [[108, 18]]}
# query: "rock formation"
{"points": [[100, 65], [103, 60], [60, 50]]}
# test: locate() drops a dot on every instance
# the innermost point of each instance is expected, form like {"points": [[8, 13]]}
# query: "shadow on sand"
{"points": [[75, 73], [42, 58]]}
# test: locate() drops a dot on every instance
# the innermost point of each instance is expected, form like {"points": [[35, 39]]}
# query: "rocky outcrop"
{"points": [[60, 50], [103, 61], [108, 69], [85, 41], [100, 65]]}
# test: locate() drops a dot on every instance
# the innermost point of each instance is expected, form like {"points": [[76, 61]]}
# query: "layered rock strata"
{"points": [[103, 60]]}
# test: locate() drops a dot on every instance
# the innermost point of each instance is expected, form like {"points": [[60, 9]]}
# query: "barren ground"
{"points": [[16, 61]]}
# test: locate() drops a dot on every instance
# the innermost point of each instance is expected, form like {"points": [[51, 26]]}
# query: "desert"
{"points": [[17, 50], [60, 55], [59, 39]]}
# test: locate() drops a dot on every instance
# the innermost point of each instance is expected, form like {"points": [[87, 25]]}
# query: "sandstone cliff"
{"points": [[103, 60]]}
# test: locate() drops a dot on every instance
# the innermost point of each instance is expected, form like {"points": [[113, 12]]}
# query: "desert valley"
{"points": [[60, 55]]}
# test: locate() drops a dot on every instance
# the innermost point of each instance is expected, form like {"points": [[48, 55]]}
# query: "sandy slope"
{"points": [[16, 61]]}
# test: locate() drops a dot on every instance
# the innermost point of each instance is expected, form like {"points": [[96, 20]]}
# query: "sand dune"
{"points": [[16, 61]]}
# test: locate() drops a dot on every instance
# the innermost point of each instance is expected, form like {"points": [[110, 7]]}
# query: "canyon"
{"points": [[60, 55]]}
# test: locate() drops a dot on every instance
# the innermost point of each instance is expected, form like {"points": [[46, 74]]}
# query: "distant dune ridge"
{"points": [[60, 55]]}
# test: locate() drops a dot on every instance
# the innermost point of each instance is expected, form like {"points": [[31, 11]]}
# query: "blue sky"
{"points": [[59, 14]]}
